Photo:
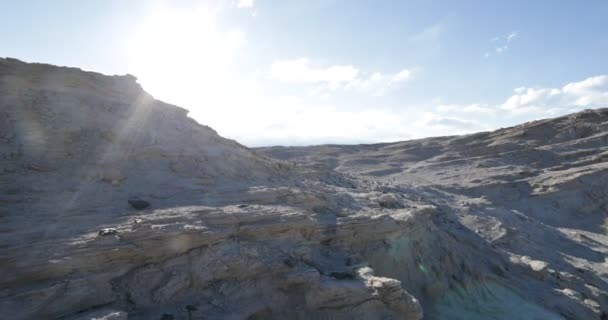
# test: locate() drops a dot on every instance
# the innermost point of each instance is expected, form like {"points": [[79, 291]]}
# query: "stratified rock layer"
{"points": [[117, 205], [536, 195]]}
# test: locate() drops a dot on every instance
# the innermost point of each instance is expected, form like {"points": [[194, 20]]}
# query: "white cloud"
{"points": [[301, 71], [511, 36], [525, 104], [532, 97], [374, 82], [501, 49], [453, 123], [245, 4], [591, 92], [502, 43], [402, 75], [346, 77]]}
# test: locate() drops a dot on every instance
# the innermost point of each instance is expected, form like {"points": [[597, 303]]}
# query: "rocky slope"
{"points": [[114, 205], [536, 194]]}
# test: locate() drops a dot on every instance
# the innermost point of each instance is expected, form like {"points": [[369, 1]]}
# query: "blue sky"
{"points": [[306, 72]]}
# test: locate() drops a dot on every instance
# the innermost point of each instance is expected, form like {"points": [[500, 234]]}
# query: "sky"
{"points": [[286, 72]]}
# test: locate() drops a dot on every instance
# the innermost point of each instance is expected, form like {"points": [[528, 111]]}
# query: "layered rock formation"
{"points": [[535, 195], [115, 205]]}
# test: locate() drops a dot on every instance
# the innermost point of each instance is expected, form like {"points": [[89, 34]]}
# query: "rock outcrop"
{"points": [[115, 205]]}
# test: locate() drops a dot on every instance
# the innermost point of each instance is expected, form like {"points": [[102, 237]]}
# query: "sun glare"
{"points": [[178, 51]]}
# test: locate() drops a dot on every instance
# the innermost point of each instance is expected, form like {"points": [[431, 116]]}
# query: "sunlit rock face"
{"points": [[524, 208], [117, 206]]}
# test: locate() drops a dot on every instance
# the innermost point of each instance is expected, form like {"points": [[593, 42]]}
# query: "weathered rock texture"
{"points": [[114, 205], [534, 197]]}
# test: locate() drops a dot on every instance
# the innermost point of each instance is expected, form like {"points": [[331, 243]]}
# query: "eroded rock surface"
{"points": [[501, 225], [535, 196], [117, 205]]}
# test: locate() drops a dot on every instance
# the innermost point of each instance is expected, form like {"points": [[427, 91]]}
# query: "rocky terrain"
{"points": [[114, 205], [534, 196]]}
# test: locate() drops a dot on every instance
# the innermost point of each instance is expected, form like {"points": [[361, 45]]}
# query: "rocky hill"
{"points": [[536, 194], [114, 205]]}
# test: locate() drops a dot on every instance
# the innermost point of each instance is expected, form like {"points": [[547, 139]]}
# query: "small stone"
{"points": [[37, 167], [289, 262], [138, 204], [243, 205], [113, 176], [572, 294], [107, 231], [592, 303], [538, 265]]}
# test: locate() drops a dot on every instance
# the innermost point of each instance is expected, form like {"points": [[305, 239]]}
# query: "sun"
{"points": [[177, 52]]}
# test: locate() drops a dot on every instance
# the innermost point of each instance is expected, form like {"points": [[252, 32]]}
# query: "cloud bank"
{"points": [[291, 120], [336, 77], [525, 104]]}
